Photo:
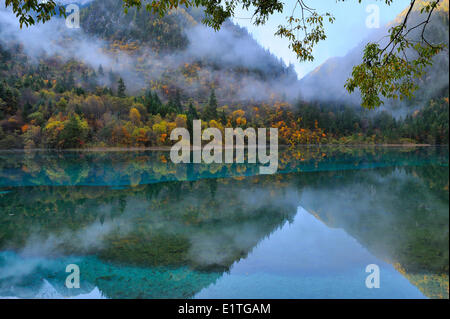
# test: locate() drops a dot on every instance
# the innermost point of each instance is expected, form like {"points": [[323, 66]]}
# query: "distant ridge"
{"points": [[326, 82]]}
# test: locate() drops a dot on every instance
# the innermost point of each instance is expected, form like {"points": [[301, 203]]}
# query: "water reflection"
{"points": [[316, 262], [140, 228], [122, 168]]}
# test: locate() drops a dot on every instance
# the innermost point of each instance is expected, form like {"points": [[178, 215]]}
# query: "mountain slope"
{"points": [[129, 79], [188, 54], [169, 54], [326, 83]]}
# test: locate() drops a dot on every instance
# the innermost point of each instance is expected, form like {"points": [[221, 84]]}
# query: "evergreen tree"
{"points": [[191, 116], [223, 118], [49, 109], [11, 97], [84, 76], [79, 91], [70, 82], [148, 101], [100, 70], [157, 103], [210, 112], [26, 110], [74, 132], [59, 87], [2, 101], [111, 76], [171, 105], [192, 112], [177, 102], [121, 88], [2, 108], [152, 102]]}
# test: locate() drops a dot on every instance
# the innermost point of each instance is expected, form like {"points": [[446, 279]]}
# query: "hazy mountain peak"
{"points": [[326, 82]]}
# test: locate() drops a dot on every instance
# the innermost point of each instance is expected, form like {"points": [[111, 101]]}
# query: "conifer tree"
{"points": [[177, 102], [223, 118], [100, 70], [191, 116], [121, 88], [210, 112]]}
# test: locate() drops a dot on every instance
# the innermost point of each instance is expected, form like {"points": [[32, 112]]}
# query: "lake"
{"points": [[139, 226]]}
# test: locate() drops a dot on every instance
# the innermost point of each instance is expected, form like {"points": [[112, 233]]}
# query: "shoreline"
{"points": [[168, 148]]}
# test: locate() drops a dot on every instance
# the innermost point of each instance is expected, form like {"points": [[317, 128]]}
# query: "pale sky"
{"points": [[345, 33]]}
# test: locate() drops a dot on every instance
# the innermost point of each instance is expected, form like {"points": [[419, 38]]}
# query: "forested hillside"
{"points": [[129, 79]]}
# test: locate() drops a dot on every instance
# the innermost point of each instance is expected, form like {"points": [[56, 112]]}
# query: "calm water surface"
{"points": [[139, 226]]}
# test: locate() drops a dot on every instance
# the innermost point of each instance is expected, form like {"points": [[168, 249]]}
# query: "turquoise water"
{"points": [[139, 226]]}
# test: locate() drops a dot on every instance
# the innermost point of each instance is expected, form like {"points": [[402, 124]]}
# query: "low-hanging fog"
{"points": [[222, 54], [223, 51], [326, 83]]}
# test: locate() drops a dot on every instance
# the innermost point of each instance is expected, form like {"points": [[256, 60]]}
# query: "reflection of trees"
{"points": [[184, 233], [400, 215], [156, 224], [112, 280], [188, 220], [144, 167]]}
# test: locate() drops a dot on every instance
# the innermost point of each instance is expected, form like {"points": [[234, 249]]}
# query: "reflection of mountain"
{"points": [[46, 277], [315, 261], [412, 234], [171, 239], [164, 239]]}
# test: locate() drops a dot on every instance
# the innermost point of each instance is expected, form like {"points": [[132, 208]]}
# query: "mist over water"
{"points": [[307, 232], [140, 226]]}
